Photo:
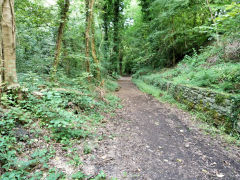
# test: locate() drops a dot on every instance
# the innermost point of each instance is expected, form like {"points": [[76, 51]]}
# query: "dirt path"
{"points": [[156, 141]]}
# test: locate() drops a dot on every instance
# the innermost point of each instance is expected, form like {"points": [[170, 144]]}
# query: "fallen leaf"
{"points": [[179, 160], [205, 171], [157, 123]]}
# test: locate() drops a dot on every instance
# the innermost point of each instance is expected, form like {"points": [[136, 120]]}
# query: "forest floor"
{"points": [[154, 140]]}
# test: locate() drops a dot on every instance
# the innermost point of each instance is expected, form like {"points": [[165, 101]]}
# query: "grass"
{"points": [[201, 119], [156, 92], [111, 85]]}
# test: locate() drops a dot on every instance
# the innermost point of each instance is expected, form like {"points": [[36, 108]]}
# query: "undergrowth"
{"points": [[211, 68], [44, 114]]}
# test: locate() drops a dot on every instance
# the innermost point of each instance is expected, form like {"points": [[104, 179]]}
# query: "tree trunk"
{"points": [[8, 72], [66, 62], [174, 58], [121, 61], [93, 46], [64, 16], [87, 37], [173, 40], [146, 4], [1, 48], [115, 57], [106, 28], [94, 54]]}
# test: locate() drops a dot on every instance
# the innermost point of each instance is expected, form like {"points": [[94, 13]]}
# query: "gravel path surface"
{"points": [[153, 140]]}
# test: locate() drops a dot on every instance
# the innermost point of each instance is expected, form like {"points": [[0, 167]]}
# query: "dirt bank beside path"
{"points": [[153, 140]]}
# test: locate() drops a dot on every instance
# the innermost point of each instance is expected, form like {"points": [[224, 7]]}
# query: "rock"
{"points": [[187, 145], [220, 175], [118, 89], [104, 157]]}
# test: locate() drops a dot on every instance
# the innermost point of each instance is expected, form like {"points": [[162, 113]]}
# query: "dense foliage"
{"points": [[70, 52], [213, 68], [50, 112], [169, 30], [201, 35], [128, 34]]}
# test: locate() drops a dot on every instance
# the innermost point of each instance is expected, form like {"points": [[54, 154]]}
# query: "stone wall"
{"points": [[223, 107]]}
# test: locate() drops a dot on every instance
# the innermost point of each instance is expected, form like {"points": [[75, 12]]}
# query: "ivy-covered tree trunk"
{"points": [[90, 38], [87, 36], [93, 45], [64, 8], [7, 43], [105, 21]]}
